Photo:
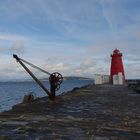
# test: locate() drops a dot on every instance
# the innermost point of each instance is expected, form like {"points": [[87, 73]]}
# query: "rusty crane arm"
{"points": [[55, 78]]}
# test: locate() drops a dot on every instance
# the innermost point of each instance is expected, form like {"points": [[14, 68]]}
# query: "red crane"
{"points": [[55, 78]]}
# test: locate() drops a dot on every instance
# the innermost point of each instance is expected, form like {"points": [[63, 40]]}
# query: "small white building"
{"points": [[101, 79], [118, 79]]}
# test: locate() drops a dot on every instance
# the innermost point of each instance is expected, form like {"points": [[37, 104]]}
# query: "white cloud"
{"points": [[108, 11], [11, 37]]}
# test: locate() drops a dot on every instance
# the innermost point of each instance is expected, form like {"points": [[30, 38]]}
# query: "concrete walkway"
{"points": [[104, 112]]}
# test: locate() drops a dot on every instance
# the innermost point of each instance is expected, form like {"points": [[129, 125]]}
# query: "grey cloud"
{"points": [[132, 58], [107, 59], [3, 49], [87, 65], [86, 68], [70, 69], [11, 71], [107, 45], [17, 47], [132, 70]]}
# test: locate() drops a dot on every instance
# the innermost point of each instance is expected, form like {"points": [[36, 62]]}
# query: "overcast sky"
{"points": [[73, 37]]}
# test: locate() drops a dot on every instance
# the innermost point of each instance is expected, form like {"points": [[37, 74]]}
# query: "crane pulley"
{"points": [[55, 79]]}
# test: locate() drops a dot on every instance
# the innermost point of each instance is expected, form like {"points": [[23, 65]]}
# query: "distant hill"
{"points": [[76, 78]]}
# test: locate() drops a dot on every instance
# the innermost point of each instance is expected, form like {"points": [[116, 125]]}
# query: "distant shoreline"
{"points": [[46, 79]]}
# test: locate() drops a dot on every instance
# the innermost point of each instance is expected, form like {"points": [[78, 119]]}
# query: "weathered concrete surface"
{"points": [[102, 112]]}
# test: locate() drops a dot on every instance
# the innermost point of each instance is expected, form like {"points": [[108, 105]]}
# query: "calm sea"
{"points": [[12, 93]]}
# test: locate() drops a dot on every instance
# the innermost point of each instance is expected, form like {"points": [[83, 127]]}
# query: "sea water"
{"points": [[12, 93]]}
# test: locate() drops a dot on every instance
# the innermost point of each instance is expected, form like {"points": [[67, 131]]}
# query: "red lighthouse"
{"points": [[116, 65]]}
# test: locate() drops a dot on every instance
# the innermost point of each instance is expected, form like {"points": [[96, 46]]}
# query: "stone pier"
{"points": [[101, 112]]}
